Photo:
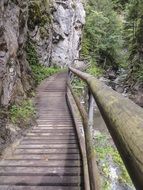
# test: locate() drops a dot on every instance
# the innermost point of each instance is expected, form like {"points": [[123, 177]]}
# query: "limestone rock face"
{"points": [[40, 29], [57, 41], [55, 29], [15, 74], [68, 21]]}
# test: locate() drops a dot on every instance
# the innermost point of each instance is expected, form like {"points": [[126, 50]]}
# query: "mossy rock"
{"points": [[44, 32], [37, 15]]}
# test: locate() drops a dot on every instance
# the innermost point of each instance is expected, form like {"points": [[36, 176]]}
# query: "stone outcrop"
{"points": [[55, 29], [40, 29], [57, 41], [68, 21], [15, 74], [50, 31]]}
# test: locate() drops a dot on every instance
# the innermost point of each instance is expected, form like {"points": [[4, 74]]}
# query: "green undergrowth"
{"points": [[80, 86], [40, 72], [107, 154], [22, 113], [95, 70]]}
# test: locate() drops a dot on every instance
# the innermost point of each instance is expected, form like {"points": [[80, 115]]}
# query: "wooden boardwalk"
{"points": [[48, 156]]}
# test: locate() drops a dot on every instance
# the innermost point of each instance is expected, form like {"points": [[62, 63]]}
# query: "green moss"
{"points": [[104, 151], [38, 14], [44, 33], [124, 177], [19, 114]]}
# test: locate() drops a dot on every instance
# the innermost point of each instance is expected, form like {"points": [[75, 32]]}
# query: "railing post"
{"points": [[92, 164], [70, 76], [90, 110]]}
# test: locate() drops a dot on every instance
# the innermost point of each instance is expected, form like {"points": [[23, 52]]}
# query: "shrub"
{"points": [[19, 114]]}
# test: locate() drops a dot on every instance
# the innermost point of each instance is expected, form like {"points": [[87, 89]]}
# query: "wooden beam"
{"points": [[124, 120], [95, 183], [80, 133]]}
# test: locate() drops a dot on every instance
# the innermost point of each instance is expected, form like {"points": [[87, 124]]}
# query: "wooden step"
{"points": [[51, 171], [26, 187], [70, 157], [47, 151], [41, 180], [42, 163]]}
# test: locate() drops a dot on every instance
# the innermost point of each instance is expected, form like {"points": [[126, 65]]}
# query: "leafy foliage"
{"points": [[96, 71], [134, 39], [22, 113], [113, 36], [102, 34], [41, 72]]}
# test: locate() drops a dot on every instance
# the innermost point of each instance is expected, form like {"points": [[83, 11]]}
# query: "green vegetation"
{"points": [[22, 114], [113, 36], [40, 72], [134, 39], [95, 70], [107, 153], [39, 13], [102, 41]]}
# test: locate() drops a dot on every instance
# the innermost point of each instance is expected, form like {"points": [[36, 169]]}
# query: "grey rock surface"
{"points": [[69, 18], [15, 77]]}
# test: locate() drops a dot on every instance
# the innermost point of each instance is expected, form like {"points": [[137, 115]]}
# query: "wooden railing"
{"points": [[124, 120]]}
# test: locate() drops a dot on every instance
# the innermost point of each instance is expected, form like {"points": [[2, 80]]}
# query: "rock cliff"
{"points": [[50, 32], [15, 73], [69, 18], [54, 28]]}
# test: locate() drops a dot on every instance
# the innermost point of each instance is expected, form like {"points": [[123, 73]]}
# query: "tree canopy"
{"points": [[113, 35]]}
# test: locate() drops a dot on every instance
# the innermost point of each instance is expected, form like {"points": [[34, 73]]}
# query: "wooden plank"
{"points": [[53, 127], [45, 156], [48, 141], [41, 180], [50, 134], [57, 125], [50, 137], [14, 187], [45, 146], [68, 171], [45, 162], [53, 131], [45, 151]]}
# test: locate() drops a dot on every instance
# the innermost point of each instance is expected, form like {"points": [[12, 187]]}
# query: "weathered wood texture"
{"points": [[48, 157], [94, 176], [124, 120], [81, 137]]}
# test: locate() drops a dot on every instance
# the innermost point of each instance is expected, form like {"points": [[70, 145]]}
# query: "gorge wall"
{"points": [[54, 28], [15, 74], [69, 18]]}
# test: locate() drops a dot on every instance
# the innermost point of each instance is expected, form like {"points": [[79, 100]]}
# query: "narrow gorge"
{"points": [[46, 32]]}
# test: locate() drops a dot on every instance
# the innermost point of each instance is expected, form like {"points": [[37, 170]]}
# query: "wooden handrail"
{"points": [[95, 183], [124, 120]]}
